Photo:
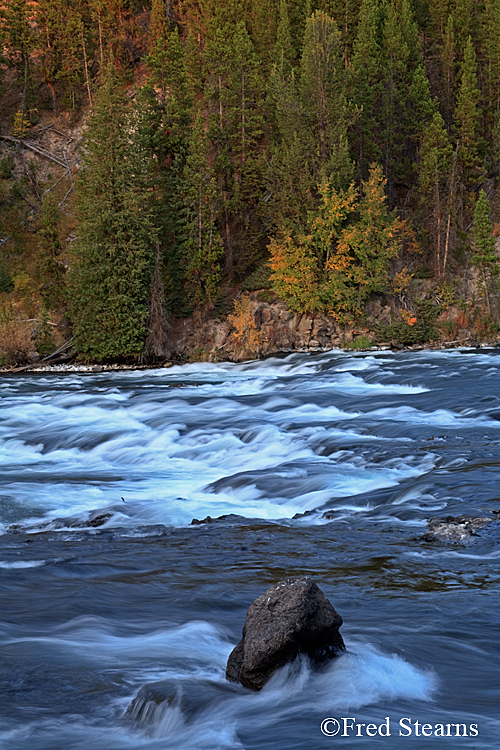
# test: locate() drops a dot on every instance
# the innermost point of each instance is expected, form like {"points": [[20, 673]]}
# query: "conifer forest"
{"points": [[175, 159]]}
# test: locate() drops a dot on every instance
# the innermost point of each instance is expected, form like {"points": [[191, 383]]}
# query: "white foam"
{"points": [[22, 564]]}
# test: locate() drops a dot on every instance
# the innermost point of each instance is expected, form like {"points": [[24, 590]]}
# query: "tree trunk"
{"points": [[157, 345]]}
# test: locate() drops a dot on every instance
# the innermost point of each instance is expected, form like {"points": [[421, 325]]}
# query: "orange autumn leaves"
{"points": [[343, 255]]}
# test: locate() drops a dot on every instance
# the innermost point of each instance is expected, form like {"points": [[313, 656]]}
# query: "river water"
{"points": [[106, 587]]}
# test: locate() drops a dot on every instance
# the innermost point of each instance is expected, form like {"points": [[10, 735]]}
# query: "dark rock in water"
{"points": [[190, 697], [329, 515], [303, 515], [98, 520], [92, 519], [228, 517], [197, 522], [455, 529], [292, 617]]}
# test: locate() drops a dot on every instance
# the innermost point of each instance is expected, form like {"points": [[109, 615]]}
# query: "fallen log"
{"points": [[23, 368], [40, 151]]}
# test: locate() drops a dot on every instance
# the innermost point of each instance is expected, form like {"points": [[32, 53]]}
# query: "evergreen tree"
{"points": [[163, 124], [66, 46], [20, 42], [51, 269], [467, 117], [346, 15], [448, 68], [484, 254], [205, 248], [234, 103], [298, 12], [323, 97], [463, 12], [406, 103], [283, 49], [158, 26], [489, 28], [263, 30], [312, 115], [435, 181], [113, 257], [365, 79]]}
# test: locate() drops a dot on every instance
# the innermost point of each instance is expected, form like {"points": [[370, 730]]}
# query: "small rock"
{"points": [[292, 617], [455, 529]]}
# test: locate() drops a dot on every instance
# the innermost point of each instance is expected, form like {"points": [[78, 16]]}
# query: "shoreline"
{"points": [[98, 368]]}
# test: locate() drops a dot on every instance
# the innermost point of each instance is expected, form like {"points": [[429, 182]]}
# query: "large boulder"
{"points": [[292, 617]]}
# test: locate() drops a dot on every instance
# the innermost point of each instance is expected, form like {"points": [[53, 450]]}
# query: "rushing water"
{"points": [[106, 587]]}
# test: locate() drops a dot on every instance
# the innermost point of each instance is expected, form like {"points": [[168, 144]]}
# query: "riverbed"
{"points": [[328, 465]]}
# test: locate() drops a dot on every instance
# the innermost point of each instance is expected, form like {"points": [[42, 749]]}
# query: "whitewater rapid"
{"points": [[265, 439]]}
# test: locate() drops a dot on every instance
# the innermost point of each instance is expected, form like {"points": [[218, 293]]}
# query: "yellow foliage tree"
{"points": [[243, 325], [295, 275], [343, 256]]}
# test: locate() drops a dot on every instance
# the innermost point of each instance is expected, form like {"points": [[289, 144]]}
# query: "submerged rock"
{"points": [[455, 529], [292, 617], [188, 698]]}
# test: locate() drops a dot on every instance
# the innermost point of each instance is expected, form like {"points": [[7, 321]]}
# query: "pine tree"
{"points": [[158, 26], [51, 269], [489, 27], [406, 103], [484, 254], [113, 258], [467, 118], [365, 83], [163, 127], [66, 47], [435, 180], [204, 246], [283, 49], [263, 30], [20, 42], [312, 115], [298, 12], [323, 96], [233, 101], [346, 14], [448, 68], [463, 12]]}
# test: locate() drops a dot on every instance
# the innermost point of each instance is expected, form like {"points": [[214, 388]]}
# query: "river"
{"points": [[326, 464]]}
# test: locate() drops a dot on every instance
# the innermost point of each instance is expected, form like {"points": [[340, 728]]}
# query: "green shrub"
{"points": [[258, 279], [423, 330], [361, 342]]}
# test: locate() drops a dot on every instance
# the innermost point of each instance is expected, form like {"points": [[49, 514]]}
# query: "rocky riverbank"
{"points": [[263, 326]]}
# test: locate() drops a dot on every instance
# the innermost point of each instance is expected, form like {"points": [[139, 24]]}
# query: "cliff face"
{"points": [[268, 328], [262, 327]]}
